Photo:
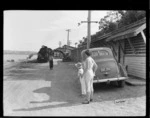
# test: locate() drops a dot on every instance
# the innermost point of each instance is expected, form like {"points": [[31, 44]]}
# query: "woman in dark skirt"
{"points": [[51, 62]]}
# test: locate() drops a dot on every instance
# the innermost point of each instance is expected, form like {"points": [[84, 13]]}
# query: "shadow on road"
{"points": [[64, 90], [49, 106], [61, 100]]}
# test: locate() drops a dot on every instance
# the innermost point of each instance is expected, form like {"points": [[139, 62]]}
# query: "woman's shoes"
{"points": [[86, 102]]}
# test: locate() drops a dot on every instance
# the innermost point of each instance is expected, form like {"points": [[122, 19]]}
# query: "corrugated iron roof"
{"points": [[127, 33], [123, 29]]}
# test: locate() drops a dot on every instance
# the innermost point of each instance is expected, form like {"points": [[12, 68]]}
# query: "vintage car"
{"points": [[108, 68]]}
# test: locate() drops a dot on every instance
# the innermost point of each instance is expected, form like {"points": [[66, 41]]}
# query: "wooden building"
{"points": [[59, 52], [68, 48], [130, 47]]}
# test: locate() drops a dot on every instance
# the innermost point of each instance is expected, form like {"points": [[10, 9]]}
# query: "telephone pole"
{"points": [[59, 43], [88, 28], [68, 42]]}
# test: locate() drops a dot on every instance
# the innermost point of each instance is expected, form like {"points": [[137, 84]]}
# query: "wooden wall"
{"points": [[136, 61], [136, 66]]}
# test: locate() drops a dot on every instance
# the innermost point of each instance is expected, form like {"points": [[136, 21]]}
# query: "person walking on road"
{"points": [[51, 62], [90, 68]]}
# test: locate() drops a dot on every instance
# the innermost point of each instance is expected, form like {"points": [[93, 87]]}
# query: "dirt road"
{"points": [[34, 90]]}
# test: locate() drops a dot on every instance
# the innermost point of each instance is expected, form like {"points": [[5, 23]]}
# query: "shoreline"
{"points": [[23, 68]]}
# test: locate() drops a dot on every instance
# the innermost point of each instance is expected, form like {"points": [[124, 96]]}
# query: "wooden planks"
{"points": [[136, 66]]}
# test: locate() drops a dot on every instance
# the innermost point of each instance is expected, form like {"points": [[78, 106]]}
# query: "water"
{"points": [[16, 57]]}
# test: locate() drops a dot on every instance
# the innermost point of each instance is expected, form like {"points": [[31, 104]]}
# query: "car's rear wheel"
{"points": [[121, 83]]}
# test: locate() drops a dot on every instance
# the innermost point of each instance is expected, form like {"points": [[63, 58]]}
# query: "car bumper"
{"points": [[109, 80]]}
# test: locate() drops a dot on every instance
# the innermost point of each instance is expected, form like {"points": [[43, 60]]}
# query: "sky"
{"points": [[28, 30]]}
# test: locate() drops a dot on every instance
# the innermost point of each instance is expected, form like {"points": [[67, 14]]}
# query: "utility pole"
{"points": [[77, 51], [60, 44], [68, 42], [88, 28]]}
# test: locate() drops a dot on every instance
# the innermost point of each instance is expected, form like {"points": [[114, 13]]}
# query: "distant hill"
{"points": [[18, 52]]}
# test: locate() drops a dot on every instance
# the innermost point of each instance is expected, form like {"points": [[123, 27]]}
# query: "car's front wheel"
{"points": [[121, 83]]}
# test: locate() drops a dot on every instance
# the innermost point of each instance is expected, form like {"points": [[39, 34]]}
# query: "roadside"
{"points": [[135, 81], [37, 91]]}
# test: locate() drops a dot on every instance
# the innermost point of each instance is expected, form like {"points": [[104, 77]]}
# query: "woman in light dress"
{"points": [[90, 68]]}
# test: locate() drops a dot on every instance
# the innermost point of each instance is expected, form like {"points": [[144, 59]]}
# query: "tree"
{"points": [[84, 39], [116, 19], [131, 16], [112, 26], [80, 41], [110, 21], [76, 44]]}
